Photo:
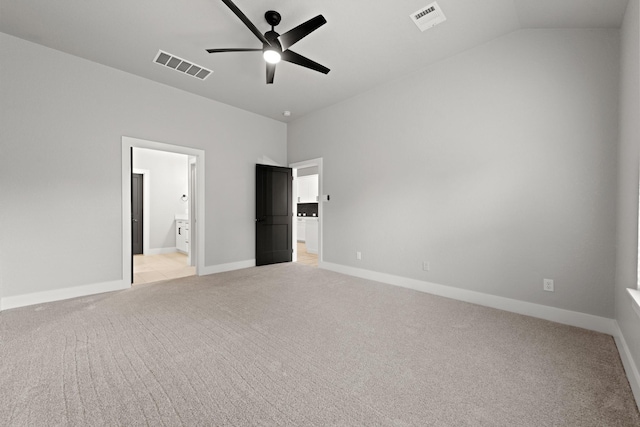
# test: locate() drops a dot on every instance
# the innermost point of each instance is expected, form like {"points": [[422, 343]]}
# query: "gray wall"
{"points": [[168, 181], [62, 119], [627, 255], [497, 166]]}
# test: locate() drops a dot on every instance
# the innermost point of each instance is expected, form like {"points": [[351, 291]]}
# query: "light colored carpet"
{"points": [[298, 346]]}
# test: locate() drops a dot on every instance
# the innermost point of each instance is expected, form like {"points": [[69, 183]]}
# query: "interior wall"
{"points": [[62, 119], [629, 155], [496, 166], [169, 173]]}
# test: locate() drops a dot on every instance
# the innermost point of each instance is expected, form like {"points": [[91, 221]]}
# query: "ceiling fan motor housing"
{"points": [[272, 38]]}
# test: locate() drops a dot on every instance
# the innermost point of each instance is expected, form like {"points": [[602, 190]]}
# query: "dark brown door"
{"points": [[274, 214], [136, 213]]}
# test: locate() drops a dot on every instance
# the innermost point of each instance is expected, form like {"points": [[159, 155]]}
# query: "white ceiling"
{"points": [[365, 43]]}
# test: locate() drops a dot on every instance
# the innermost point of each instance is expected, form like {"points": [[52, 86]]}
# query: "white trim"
{"points": [[635, 297], [198, 218], [630, 368], [559, 315], [294, 220], [221, 268], [7, 303], [305, 164], [192, 169], [17, 301], [161, 251], [146, 208]]}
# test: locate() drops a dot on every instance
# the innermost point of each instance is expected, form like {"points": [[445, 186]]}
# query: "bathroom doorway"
{"points": [[161, 226], [172, 196]]}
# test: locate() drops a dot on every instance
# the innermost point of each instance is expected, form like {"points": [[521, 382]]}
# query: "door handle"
{"points": [[134, 220], [260, 219]]}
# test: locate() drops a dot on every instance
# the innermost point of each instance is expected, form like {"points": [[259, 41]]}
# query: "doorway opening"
{"points": [[163, 200], [308, 212], [165, 230]]}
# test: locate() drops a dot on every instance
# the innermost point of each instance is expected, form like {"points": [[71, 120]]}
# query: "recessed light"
{"points": [[286, 113]]}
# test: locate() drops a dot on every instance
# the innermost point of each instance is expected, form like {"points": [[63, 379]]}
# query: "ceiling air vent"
{"points": [[429, 16], [179, 64]]}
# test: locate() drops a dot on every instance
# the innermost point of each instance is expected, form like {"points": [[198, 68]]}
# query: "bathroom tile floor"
{"points": [[306, 258], [155, 268]]}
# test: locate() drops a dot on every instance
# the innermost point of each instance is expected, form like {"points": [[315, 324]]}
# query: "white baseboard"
{"points": [[34, 298], [221, 268], [631, 369], [161, 251], [559, 315], [7, 303]]}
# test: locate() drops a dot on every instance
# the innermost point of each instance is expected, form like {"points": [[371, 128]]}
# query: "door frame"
{"points": [[300, 165], [196, 218], [193, 206]]}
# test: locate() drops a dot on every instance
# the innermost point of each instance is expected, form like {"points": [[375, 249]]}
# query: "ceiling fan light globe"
{"points": [[272, 56]]}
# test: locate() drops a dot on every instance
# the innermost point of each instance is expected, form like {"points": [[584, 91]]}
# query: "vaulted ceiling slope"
{"points": [[364, 43]]}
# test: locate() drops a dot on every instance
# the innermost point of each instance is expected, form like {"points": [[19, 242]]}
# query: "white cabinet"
{"points": [[182, 236], [301, 230], [308, 189], [311, 233]]}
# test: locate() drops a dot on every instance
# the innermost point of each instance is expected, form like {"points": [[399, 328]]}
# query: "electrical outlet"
{"points": [[359, 255], [547, 285], [425, 265]]}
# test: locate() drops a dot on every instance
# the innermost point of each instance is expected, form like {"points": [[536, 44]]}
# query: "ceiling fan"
{"points": [[275, 47]]}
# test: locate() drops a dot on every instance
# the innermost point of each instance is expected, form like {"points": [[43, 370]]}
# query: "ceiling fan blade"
{"points": [[233, 50], [246, 21], [271, 72], [298, 59], [291, 37]]}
